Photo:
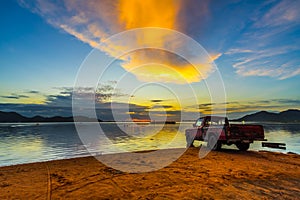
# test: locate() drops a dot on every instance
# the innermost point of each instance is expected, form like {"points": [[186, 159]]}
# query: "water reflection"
{"points": [[286, 133], [147, 137], [291, 128], [23, 143], [128, 137]]}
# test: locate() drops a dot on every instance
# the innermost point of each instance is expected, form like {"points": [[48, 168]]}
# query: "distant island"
{"points": [[288, 116]]}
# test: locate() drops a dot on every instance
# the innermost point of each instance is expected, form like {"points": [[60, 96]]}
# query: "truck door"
{"points": [[216, 126], [199, 125]]}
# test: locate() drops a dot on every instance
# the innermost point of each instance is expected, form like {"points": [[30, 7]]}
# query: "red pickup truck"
{"points": [[217, 131]]}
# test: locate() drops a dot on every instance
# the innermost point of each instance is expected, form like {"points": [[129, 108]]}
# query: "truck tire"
{"points": [[243, 146], [213, 143], [189, 141]]}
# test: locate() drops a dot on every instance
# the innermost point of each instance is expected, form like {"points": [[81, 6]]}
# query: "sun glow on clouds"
{"points": [[156, 65], [94, 21], [148, 13]]}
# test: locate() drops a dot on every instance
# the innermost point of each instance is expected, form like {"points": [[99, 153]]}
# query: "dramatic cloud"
{"points": [[162, 106], [33, 92], [233, 108], [104, 110], [103, 93], [94, 21], [257, 38], [269, 46], [15, 96], [282, 13]]}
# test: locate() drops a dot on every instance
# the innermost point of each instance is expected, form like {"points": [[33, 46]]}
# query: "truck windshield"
{"points": [[199, 122]]}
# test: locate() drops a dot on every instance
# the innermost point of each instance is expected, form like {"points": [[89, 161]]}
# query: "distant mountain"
{"points": [[11, 117], [264, 116]]}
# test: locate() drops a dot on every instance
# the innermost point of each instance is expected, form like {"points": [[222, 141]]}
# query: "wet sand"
{"points": [[228, 174]]}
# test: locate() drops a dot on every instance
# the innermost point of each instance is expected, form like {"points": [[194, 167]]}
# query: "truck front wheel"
{"points": [[189, 140], [243, 146], [213, 143]]}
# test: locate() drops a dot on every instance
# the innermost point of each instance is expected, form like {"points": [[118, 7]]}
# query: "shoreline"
{"points": [[226, 174], [89, 155]]}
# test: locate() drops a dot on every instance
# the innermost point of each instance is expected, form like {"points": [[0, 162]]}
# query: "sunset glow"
{"points": [[253, 45]]}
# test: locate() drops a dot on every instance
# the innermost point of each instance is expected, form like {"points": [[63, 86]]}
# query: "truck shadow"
{"points": [[248, 153], [234, 152]]}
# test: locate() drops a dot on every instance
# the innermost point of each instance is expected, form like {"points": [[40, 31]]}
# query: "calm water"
{"points": [[26, 143]]}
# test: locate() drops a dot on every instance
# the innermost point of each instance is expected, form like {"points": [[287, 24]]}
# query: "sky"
{"points": [[253, 45]]}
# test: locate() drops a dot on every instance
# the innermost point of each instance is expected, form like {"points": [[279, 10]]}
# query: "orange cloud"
{"points": [[157, 65], [94, 21], [148, 13]]}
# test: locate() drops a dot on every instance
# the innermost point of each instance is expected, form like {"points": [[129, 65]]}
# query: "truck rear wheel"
{"points": [[213, 143], [243, 146]]}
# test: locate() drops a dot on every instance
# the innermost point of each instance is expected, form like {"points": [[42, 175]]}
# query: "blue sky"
{"points": [[255, 45]]}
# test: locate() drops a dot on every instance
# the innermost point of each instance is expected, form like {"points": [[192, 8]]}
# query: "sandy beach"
{"points": [[228, 174]]}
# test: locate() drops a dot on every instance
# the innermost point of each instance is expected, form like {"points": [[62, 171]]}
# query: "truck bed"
{"points": [[247, 132]]}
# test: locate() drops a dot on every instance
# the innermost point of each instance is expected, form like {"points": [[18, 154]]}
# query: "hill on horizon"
{"points": [[287, 116], [13, 117]]}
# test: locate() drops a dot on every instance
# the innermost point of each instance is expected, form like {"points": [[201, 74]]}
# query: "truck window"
{"points": [[199, 122], [215, 121], [212, 123], [221, 122]]}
